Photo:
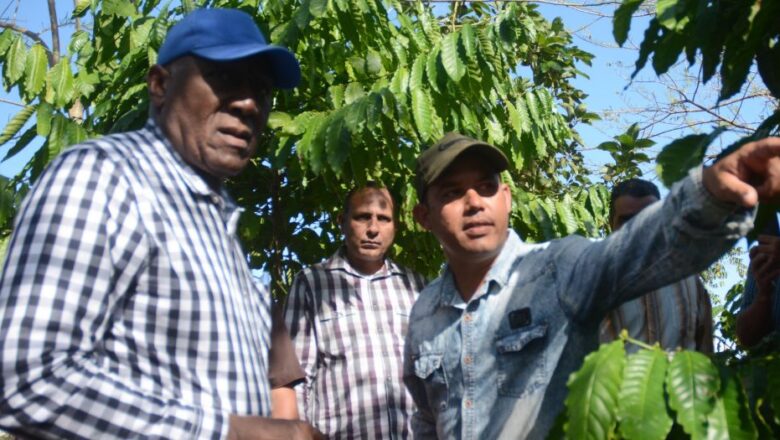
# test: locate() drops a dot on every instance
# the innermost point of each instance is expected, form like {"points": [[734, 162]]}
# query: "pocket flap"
{"points": [[425, 364], [518, 339]]}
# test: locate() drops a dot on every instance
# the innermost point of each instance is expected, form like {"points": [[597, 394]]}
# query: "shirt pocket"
{"points": [[429, 369], [338, 329], [521, 359]]}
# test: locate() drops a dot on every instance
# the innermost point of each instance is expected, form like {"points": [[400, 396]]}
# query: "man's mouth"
{"points": [[370, 244], [236, 137], [477, 228]]}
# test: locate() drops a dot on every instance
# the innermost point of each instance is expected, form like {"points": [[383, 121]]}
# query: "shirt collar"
{"points": [[338, 261], [513, 249], [186, 174]]}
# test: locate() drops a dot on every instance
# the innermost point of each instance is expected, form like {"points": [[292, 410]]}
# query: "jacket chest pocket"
{"points": [[522, 363], [429, 369], [338, 330]]}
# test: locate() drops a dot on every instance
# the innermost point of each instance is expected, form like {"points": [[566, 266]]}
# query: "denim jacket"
{"points": [[497, 365]]}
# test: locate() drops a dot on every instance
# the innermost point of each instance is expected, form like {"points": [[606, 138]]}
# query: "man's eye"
{"points": [[487, 189]]}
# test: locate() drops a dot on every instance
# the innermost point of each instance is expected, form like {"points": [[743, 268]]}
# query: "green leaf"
{"points": [[77, 41], [566, 215], [317, 8], [642, 408], [670, 13], [74, 132], [15, 124], [278, 120], [432, 68], [6, 38], [692, 383], [119, 8], [21, 143], [35, 71], [621, 22], [43, 118], [59, 84], [422, 110], [469, 39], [15, 60], [80, 7], [416, 77], [338, 143], [450, 58], [731, 417], [593, 393], [57, 137], [353, 92], [681, 155]]}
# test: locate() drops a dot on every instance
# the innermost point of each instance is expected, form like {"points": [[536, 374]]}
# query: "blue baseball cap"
{"points": [[226, 35]]}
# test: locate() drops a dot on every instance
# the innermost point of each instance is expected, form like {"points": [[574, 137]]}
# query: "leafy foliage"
{"points": [[627, 152], [381, 81], [674, 394]]}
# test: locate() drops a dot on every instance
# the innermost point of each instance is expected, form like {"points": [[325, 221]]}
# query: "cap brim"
{"points": [[496, 158], [284, 66]]}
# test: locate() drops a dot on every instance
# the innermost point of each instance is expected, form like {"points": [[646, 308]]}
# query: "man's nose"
{"points": [[473, 200], [373, 227]]}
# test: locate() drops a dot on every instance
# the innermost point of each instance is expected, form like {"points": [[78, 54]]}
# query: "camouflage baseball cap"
{"points": [[433, 161]]}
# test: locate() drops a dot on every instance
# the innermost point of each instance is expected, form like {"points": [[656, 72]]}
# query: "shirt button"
{"points": [[467, 317], [467, 403], [467, 360]]}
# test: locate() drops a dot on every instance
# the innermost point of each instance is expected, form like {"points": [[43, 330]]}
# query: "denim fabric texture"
{"points": [[497, 365]]}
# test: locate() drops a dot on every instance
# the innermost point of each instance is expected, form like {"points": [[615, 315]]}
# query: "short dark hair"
{"points": [[632, 188], [370, 184]]}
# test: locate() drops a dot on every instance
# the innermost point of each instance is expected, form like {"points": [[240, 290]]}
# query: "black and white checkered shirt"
{"points": [[348, 330], [126, 303]]}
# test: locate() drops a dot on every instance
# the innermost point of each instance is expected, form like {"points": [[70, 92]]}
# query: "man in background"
{"points": [[678, 315], [348, 318]]}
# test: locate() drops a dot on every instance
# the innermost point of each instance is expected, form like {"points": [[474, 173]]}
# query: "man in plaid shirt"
{"points": [[348, 317], [126, 302]]}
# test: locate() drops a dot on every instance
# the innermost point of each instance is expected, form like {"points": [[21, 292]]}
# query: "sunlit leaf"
{"points": [[692, 383], [642, 404], [15, 60], [593, 393], [450, 57], [16, 123]]}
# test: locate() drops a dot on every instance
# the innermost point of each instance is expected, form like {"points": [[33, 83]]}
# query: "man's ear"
{"points": [[507, 191], [157, 83], [420, 213]]}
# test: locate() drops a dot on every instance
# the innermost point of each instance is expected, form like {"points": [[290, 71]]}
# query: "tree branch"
{"points": [[31, 35], [55, 32]]}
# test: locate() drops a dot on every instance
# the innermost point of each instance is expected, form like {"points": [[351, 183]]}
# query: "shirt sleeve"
{"points": [[299, 317], [704, 336], [77, 247], [669, 240], [284, 368]]}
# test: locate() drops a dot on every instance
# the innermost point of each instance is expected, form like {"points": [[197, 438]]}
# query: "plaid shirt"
{"points": [[126, 303], [348, 330], [676, 315]]}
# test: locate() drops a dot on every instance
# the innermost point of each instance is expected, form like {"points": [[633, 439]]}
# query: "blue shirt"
{"points": [[497, 365]]}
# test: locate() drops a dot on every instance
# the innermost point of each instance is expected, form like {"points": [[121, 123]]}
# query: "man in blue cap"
{"points": [[127, 305]]}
